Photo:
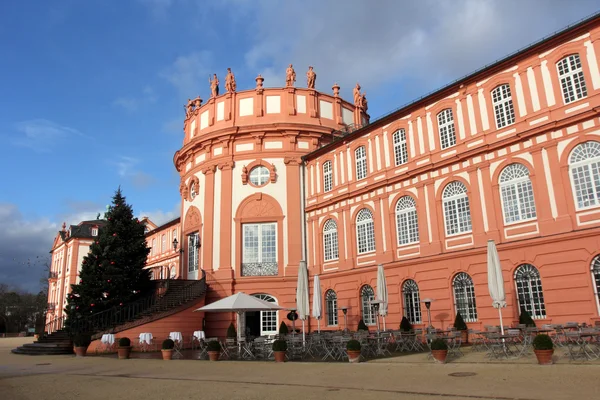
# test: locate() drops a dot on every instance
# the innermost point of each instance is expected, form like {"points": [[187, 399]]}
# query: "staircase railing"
{"points": [[55, 325]]}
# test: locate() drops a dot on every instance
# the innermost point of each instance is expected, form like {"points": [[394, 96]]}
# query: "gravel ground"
{"points": [[413, 377]]}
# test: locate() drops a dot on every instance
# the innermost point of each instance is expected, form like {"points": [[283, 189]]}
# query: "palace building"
{"points": [[271, 177]]}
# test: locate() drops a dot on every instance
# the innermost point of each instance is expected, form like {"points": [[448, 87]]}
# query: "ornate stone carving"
{"points": [[357, 96], [183, 190], [311, 78], [192, 220], [230, 84], [195, 184], [244, 175], [214, 85], [260, 208], [336, 90], [290, 76], [259, 83], [363, 102], [192, 106]]}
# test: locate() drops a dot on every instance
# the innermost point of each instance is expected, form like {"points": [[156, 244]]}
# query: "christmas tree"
{"points": [[112, 274]]}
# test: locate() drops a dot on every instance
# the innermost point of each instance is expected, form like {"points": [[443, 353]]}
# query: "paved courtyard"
{"points": [[404, 377]]}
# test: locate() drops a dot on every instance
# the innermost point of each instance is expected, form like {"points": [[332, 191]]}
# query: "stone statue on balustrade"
{"points": [[189, 108], [290, 76], [230, 84], [363, 102], [214, 86], [357, 95], [311, 78]]}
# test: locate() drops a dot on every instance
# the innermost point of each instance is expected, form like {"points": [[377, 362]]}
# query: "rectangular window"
{"points": [[163, 245], [400, 151], [360, 156], [153, 247], [327, 177], [572, 80], [446, 128], [193, 242], [259, 255]]}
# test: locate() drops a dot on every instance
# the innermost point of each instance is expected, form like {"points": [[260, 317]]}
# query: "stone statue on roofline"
{"points": [[214, 85], [357, 95], [290, 76], [311, 78], [230, 84], [363, 102], [189, 108]]}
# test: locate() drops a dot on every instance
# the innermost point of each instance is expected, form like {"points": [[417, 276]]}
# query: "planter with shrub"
{"points": [[405, 325], [353, 348], [124, 349], [81, 341], [214, 350], [283, 329], [439, 350], [461, 326], [167, 349], [543, 349], [279, 349]]}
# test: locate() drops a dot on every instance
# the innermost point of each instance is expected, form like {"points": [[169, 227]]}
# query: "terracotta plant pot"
{"points": [[353, 356], [440, 355], [279, 356], [544, 357], [213, 355], [167, 354], [124, 352], [80, 351]]}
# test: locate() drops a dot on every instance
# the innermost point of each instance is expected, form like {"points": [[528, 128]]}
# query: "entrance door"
{"points": [[268, 319], [193, 255]]}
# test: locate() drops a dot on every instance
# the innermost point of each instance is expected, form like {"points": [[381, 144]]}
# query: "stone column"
{"points": [[208, 218]]}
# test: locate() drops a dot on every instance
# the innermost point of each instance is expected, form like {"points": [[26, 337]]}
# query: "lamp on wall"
{"points": [[175, 244]]}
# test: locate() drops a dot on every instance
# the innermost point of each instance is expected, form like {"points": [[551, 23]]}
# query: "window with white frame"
{"points": [[367, 295], [327, 177], [407, 225], [516, 193], [457, 213], [529, 291], [412, 301], [464, 297], [400, 151], [360, 157], [268, 319], [503, 106], [332, 309], [259, 175], [365, 231], [154, 247], [596, 277], [174, 235], [446, 128], [163, 244], [330, 240], [584, 164], [572, 80], [259, 256], [94, 231], [193, 245]]}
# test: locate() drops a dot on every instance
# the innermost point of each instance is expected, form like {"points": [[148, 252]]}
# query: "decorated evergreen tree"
{"points": [[112, 274]]}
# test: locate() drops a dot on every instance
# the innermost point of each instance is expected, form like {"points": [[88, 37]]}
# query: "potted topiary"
{"points": [[460, 325], [353, 349], [124, 348], [214, 350], [81, 341], [439, 350], [167, 349], [362, 326], [283, 329], [279, 349], [525, 319], [543, 349], [231, 332], [405, 325]]}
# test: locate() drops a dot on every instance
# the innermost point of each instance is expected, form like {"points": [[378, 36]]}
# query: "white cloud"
{"points": [[127, 168], [41, 135], [188, 73], [134, 103], [160, 217]]}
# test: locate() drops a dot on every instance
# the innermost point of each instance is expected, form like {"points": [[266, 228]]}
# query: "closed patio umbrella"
{"points": [[495, 280], [302, 305], [382, 293], [316, 303]]}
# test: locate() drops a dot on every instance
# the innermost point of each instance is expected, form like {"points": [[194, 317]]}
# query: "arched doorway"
{"points": [[262, 323]]}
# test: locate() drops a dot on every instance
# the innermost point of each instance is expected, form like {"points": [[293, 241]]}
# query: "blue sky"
{"points": [[92, 92]]}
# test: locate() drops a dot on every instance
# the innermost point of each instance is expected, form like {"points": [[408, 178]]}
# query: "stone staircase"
{"points": [[180, 294]]}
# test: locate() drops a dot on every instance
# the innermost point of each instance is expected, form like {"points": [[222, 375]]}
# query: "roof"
{"points": [[163, 226], [548, 41], [84, 228]]}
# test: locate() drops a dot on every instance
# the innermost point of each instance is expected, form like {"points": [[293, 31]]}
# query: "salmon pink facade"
{"points": [[511, 153]]}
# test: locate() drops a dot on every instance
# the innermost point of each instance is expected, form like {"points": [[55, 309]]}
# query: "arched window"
{"points": [[464, 297], [596, 278], [584, 164], [330, 241], [503, 106], [365, 231], [360, 156], [367, 295], [571, 78], [268, 319], [457, 213], [259, 175], [529, 290], [193, 192], [446, 128], [327, 177], [516, 193], [400, 152], [406, 221], [412, 302], [332, 310]]}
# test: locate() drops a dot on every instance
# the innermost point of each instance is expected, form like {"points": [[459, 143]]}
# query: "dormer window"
{"points": [[95, 231]]}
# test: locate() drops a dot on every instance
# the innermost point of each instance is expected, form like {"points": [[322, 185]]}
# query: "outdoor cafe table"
{"points": [[145, 340], [199, 335], [587, 338], [108, 341], [178, 339]]}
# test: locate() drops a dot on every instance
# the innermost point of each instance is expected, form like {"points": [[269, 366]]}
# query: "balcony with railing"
{"points": [[260, 269], [52, 275]]}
